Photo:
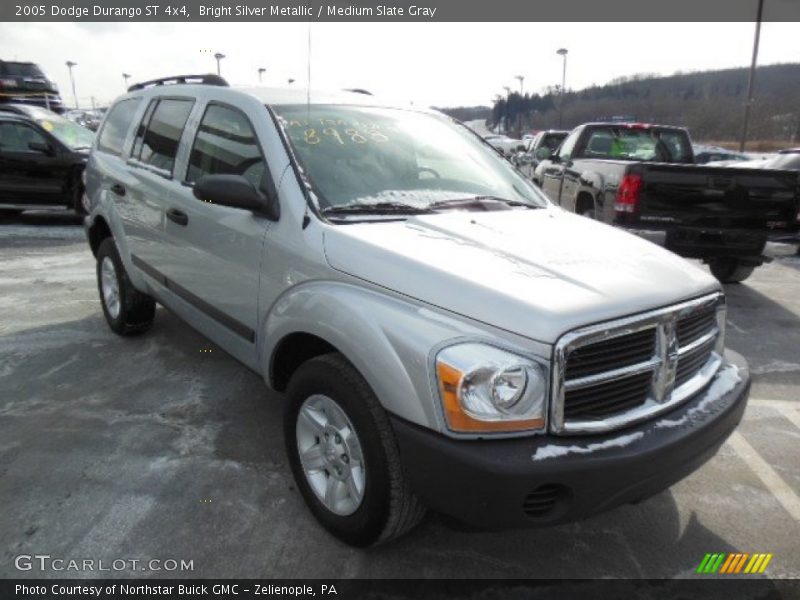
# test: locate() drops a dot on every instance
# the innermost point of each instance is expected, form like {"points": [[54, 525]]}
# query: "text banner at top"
{"points": [[400, 10]]}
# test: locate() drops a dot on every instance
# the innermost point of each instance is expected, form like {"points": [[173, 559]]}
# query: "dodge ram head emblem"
{"points": [[667, 348]]}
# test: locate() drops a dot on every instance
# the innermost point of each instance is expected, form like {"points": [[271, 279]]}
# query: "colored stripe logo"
{"points": [[734, 563]]}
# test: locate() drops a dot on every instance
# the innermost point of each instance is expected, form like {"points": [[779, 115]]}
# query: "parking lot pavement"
{"points": [[162, 446]]}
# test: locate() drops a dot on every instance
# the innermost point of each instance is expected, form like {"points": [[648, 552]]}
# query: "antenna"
{"points": [[308, 86]]}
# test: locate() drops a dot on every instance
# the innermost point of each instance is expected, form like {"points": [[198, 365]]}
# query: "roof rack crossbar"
{"points": [[209, 79]]}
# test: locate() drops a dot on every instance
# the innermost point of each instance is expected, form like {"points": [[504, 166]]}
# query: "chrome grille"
{"points": [[616, 373]]}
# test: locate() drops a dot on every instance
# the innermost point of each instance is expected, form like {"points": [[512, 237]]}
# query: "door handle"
{"points": [[177, 216], [118, 189]]}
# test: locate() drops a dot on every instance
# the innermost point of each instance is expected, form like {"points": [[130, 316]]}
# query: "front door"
{"points": [[218, 250], [32, 171]]}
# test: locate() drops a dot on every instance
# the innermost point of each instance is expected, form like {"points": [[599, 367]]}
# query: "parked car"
{"points": [[529, 159], [42, 157], [25, 82], [90, 119], [788, 159], [705, 154], [505, 145], [445, 337], [643, 178]]}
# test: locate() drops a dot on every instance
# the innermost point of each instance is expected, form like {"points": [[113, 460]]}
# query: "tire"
{"points": [[383, 506], [730, 270], [133, 311], [587, 210]]}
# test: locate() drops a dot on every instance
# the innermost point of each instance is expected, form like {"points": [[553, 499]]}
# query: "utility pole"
{"points": [[751, 80], [125, 77], [261, 71]]}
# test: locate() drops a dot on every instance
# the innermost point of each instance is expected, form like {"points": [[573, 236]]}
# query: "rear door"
{"points": [[150, 168], [217, 251]]}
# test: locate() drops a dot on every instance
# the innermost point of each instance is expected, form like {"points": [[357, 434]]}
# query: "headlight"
{"points": [[485, 389]]}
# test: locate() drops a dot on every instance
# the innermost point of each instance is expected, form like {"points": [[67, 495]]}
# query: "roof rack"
{"points": [[209, 79]]}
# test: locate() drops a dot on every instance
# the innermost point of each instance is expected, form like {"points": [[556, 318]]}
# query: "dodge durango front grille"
{"points": [[612, 374]]}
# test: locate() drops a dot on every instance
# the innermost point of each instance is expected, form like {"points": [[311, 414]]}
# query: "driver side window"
{"points": [[226, 144], [568, 147]]}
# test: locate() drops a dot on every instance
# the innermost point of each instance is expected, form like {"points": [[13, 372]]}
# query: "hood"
{"points": [[537, 273]]}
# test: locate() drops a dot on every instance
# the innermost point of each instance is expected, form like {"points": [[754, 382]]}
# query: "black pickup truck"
{"points": [[643, 178]]}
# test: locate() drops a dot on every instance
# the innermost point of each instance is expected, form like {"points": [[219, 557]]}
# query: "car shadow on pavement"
{"points": [[163, 446], [765, 332], [38, 230], [41, 217]]}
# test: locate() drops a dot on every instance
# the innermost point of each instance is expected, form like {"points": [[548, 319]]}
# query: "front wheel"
{"points": [[127, 310], [344, 456], [730, 270]]}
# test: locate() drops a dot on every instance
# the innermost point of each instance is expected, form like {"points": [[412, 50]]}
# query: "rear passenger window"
{"points": [[158, 144], [226, 145], [115, 129]]}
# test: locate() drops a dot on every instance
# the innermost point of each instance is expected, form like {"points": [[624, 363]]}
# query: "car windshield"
{"points": [[366, 157], [69, 133]]}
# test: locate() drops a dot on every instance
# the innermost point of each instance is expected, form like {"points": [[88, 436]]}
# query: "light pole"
{"points": [[505, 117], [751, 80], [125, 77], [71, 64], [563, 53], [261, 71], [219, 56], [521, 79]]}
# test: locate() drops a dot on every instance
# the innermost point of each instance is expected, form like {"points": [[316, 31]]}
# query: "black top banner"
{"points": [[398, 10]]}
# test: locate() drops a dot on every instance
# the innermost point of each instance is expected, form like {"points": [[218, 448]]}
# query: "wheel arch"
{"points": [[97, 232], [388, 340]]}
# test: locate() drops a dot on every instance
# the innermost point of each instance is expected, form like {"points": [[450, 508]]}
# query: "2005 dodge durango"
{"points": [[445, 337]]}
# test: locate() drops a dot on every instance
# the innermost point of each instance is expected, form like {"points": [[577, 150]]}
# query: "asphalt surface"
{"points": [[163, 447]]}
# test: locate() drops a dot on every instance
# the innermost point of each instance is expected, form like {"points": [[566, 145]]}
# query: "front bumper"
{"points": [[497, 484]]}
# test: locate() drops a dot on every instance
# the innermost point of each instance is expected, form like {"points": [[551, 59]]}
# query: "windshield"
{"points": [[69, 133], [366, 156]]}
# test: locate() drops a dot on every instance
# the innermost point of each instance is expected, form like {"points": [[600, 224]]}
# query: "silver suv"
{"points": [[444, 336]]}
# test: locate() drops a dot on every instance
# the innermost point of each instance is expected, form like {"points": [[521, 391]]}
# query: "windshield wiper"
{"points": [[376, 208], [480, 201]]}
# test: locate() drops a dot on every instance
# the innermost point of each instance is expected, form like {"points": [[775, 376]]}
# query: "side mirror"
{"points": [[543, 153], [42, 147], [235, 191]]}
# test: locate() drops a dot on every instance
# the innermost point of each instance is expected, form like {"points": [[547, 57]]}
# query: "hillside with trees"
{"points": [[709, 103]]}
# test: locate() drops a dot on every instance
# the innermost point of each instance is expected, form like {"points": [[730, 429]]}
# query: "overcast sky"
{"points": [[441, 64]]}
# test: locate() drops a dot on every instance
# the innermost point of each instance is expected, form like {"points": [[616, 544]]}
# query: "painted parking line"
{"points": [[762, 469], [788, 408]]}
